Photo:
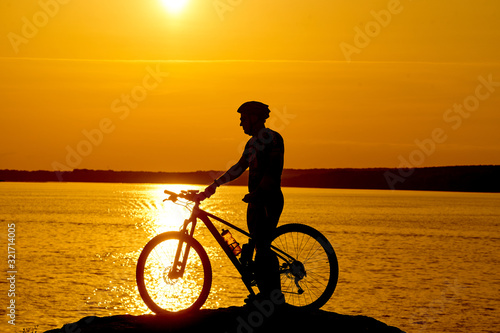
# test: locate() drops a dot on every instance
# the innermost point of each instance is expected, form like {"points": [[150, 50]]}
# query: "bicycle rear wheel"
{"points": [[309, 279], [163, 289]]}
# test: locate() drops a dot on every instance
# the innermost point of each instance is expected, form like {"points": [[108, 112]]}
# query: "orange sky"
{"points": [[130, 85]]}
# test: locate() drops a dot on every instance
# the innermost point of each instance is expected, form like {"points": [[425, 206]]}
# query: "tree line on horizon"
{"points": [[453, 178]]}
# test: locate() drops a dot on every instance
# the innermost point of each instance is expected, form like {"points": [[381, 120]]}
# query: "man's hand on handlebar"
{"points": [[208, 192]]}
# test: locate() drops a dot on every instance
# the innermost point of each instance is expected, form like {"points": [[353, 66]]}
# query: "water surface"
{"points": [[421, 261]]}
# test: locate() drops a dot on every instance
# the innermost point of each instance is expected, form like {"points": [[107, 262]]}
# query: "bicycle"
{"points": [[174, 273]]}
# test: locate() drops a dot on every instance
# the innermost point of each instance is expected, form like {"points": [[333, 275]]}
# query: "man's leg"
{"points": [[262, 223], [266, 270]]}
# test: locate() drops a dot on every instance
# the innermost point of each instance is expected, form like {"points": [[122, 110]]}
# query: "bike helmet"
{"points": [[255, 108]]}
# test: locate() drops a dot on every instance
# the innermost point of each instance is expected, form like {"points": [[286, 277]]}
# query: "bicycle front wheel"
{"points": [[310, 272], [165, 286]]}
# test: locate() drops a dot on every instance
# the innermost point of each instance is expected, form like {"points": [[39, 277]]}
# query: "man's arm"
{"points": [[234, 172]]}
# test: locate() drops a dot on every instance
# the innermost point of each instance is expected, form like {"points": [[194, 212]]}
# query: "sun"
{"points": [[174, 6]]}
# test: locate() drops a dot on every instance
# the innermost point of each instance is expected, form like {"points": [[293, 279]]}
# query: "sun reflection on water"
{"points": [[165, 216]]}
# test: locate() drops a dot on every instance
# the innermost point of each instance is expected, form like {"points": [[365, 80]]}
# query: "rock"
{"points": [[261, 318]]}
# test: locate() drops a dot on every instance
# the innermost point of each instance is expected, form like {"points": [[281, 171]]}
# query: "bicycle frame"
{"points": [[198, 213]]}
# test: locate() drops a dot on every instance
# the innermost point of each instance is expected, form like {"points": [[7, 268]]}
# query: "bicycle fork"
{"points": [[178, 267]]}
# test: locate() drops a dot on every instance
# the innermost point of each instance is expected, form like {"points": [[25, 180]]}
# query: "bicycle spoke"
{"points": [[318, 248]]}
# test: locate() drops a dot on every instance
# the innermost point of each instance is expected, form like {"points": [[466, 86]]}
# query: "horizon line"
{"points": [[213, 170]]}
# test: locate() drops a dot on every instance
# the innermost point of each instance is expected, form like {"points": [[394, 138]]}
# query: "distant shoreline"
{"points": [[473, 178]]}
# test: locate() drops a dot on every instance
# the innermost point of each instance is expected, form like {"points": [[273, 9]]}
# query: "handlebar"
{"points": [[170, 193], [191, 195]]}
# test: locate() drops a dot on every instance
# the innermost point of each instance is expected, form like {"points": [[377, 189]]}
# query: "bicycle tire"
{"points": [[166, 295], [311, 248]]}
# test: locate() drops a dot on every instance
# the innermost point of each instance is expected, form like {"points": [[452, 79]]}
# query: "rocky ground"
{"points": [[258, 318]]}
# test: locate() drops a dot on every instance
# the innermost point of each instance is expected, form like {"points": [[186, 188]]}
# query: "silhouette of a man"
{"points": [[263, 156]]}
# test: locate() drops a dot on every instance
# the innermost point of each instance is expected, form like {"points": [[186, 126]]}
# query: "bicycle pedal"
{"points": [[250, 278], [246, 262]]}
